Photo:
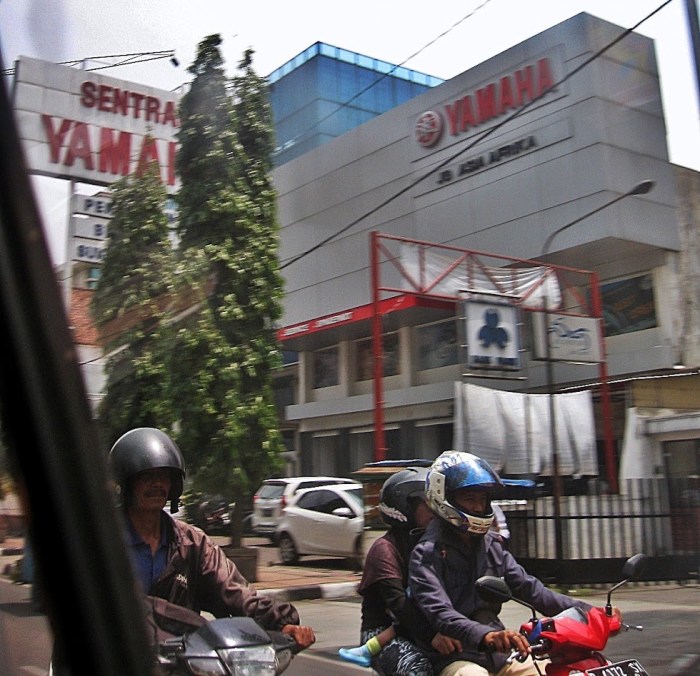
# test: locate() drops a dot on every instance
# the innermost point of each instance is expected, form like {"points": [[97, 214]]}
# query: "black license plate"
{"points": [[624, 668], [267, 512]]}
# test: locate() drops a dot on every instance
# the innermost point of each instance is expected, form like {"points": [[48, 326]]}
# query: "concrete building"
{"points": [[554, 130]]}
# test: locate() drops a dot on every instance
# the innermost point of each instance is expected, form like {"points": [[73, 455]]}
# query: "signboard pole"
{"points": [[556, 488], [70, 236]]}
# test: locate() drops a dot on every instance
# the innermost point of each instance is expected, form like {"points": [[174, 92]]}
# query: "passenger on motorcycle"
{"points": [[389, 618], [459, 547], [176, 561]]}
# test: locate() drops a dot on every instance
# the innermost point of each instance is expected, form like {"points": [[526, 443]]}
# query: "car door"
{"points": [[320, 530]]}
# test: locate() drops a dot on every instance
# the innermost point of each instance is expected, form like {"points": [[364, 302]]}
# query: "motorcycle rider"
{"points": [[389, 618], [176, 561], [456, 549]]}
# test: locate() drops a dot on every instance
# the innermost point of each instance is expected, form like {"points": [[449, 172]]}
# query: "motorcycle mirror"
{"points": [[493, 589], [634, 567], [632, 570]]}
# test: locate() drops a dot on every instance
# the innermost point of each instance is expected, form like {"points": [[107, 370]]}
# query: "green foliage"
{"points": [[129, 305], [206, 371], [225, 355]]}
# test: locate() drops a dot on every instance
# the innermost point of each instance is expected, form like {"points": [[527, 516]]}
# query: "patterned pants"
{"points": [[399, 657]]}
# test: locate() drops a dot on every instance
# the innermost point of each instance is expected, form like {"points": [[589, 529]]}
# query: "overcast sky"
{"points": [[441, 39]]}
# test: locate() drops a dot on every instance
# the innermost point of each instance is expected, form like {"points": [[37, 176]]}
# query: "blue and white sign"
{"points": [[493, 336], [571, 338]]}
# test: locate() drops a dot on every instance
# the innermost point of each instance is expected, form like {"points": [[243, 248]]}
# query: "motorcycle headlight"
{"points": [[250, 660]]}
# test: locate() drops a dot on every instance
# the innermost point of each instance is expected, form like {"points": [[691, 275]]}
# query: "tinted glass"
{"points": [[271, 491]]}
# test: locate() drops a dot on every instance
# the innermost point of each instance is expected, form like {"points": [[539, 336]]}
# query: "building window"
{"points": [[326, 368], [365, 356], [628, 305], [93, 277], [437, 345]]}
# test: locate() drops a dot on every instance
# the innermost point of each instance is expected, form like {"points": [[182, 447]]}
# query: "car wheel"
{"points": [[358, 558], [288, 551]]}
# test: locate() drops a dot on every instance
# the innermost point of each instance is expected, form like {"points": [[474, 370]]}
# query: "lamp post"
{"points": [[641, 188]]}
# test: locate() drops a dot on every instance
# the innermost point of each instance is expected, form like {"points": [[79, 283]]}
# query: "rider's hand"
{"points": [[445, 644], [506, 640], [304, 636]]}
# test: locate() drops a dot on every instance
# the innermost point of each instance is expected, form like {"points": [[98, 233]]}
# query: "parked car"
{"points": [[274, 495], [324, 521]]}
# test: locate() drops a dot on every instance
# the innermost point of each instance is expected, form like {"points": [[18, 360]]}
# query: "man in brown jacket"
{"points": [[174, 560]]}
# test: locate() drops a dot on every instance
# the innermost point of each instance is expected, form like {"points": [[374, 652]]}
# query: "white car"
{"points": [[324, 521], [274, 494]]}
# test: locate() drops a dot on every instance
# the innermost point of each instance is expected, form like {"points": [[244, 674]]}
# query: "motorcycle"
{"points": [[229, 645], [187, 643], [573, 639]]}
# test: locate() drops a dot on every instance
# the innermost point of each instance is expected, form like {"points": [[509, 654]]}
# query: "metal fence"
{"points": [[660, 517]]}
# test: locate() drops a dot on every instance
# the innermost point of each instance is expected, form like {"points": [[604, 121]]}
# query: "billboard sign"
{"points": [[92, 128], [493, 336]]}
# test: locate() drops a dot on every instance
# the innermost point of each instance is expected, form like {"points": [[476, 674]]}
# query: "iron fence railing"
{"points": [[659, 517]]}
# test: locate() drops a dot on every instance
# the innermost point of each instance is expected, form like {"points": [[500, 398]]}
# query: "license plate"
{"points": [[624, 668], [267, 512]]}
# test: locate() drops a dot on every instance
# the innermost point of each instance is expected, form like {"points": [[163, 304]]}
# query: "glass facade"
{"points": [[325, 91]]}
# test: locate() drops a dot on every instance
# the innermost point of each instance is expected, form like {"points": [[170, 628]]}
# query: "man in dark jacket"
{"points": [[174, 560], [457, 549]]}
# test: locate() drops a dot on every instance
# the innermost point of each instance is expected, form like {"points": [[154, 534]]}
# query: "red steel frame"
{"points": [[473, 259]]}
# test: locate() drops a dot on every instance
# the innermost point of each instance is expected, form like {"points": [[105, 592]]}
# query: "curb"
{"points": [[332, 590]]}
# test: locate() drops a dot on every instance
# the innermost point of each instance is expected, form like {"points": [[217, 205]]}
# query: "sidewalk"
{"points": [[311, 578]]}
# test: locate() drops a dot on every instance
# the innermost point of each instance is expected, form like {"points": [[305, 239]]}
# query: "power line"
{"points": [[480, 138]]}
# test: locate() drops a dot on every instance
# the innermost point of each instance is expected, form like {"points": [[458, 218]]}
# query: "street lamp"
{"points": [[641, 188]]}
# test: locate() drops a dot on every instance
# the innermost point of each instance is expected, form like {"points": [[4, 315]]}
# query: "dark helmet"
{"points": [[451, 471], [146, 448], [399, 496]]}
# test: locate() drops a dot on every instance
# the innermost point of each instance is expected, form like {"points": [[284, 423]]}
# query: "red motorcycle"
{"points": [[573, 639]]}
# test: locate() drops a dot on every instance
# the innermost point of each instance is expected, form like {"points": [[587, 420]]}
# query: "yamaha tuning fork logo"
{"points": [[428, 129]]}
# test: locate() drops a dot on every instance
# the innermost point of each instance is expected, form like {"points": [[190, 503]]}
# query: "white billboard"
{"points": [[81, 125]]}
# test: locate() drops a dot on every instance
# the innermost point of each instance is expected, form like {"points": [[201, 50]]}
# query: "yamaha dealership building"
{"points": [[557, 131]]}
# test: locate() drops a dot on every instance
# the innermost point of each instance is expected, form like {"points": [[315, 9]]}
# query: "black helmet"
{"points": [[399, 494], [146, 448]]}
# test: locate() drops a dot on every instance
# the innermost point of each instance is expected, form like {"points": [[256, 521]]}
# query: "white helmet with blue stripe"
{"points": [[451, 471]]}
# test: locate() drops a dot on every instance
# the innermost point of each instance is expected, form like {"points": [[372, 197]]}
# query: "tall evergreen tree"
{"points": [[224, 357], [129, 306]]}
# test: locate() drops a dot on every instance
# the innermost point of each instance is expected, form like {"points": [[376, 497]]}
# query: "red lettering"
{"points": [[452, 115], [545, 75], [170, 114], [506, 101], [88, 94], [79, 148], [137, 101], [56, 139], [105, 100], [148, 154], [121, 101], [486, 102], [152, 109], [114, 157], [524, 85], [468, 117]]}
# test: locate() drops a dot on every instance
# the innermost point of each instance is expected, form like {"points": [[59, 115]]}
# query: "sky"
{"points": [[444, 40]]}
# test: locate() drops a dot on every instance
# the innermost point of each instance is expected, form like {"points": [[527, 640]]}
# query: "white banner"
{"points": [[511, 430], [432, 272]]}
